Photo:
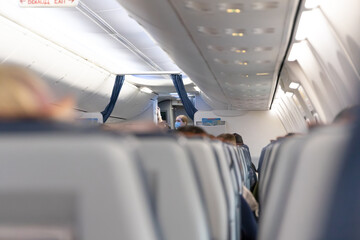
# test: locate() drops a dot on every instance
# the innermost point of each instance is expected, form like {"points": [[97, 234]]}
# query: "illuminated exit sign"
{"points": [[48, 3]]}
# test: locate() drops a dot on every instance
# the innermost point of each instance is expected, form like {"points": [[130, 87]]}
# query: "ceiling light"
{"points": [[231, 10], [237, 34], [197, 88], [309, 4], [238, 50], [146, 90], [262, 74], [230, 7], [241, 63], [294, 85]]}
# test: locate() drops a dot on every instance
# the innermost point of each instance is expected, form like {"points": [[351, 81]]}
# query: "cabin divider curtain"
{"points": [[180, 89], [119, 81]]}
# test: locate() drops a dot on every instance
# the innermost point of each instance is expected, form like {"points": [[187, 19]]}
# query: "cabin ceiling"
{"points": [[232, 49]]}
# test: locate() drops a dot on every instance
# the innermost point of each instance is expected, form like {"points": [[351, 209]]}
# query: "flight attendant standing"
{"points": [[181, 121]]}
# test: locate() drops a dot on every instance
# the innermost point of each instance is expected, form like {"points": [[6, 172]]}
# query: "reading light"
{"points": [[146, 90], [241, 63], [262, 74], [294, 85], [237, 34], [238, 50], [197, 88], [231, 10]]}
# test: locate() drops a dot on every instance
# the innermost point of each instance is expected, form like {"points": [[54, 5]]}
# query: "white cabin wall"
{"points": [[256, 127], [68, 73], [201, 105], [149, 114], [324, 61]]}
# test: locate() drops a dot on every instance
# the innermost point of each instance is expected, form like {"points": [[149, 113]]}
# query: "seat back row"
{"points": [[104, 186], [298, 184]]}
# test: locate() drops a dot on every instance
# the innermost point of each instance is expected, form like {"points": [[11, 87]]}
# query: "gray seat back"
{"points": [[243, 166], [85, 187], [269, 161], [211, 184], [174, 188], [314, 179], [276, 194], [229, 183]]}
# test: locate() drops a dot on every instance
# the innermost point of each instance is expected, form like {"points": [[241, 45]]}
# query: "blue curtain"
{"points": [[180, 89], [119, 81]]}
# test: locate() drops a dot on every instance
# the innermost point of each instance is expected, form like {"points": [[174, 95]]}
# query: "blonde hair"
{"points": [[23, 95], [183, 119]]}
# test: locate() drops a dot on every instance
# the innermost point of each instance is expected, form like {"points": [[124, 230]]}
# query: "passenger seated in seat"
{"points": [[251, 201], [24, 96], [347, 115], [192, 131], [227, 138], [251, 166], [249, 227]]}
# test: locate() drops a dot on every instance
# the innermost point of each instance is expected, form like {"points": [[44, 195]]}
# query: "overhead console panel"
{"points": [[231, 49]]}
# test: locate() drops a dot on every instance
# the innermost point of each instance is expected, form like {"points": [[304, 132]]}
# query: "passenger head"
{"points": [[163, 125], [227, 138], [212, 137], [23, 95], [347, 115], [192, 131], [291, 134], [239, 140], [181, 121]]}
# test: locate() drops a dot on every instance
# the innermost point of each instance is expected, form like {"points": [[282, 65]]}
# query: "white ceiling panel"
{"points": [[231, 42]]}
